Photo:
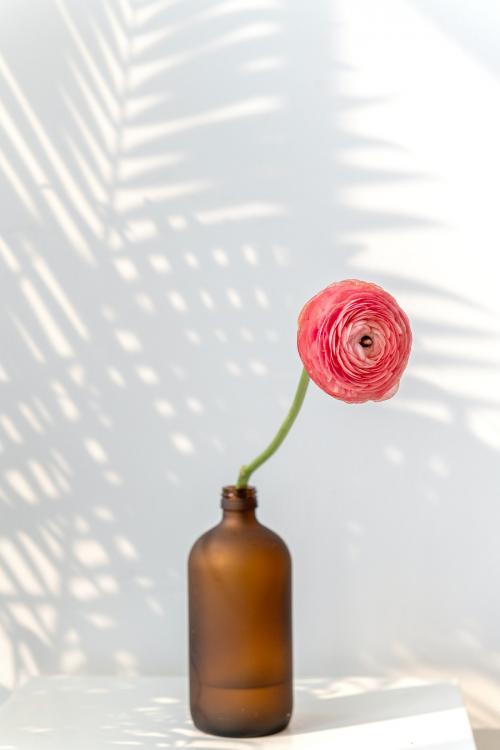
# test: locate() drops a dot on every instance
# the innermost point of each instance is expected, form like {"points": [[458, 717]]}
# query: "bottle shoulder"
{"points": [[252, 538], [274, 539], [208, 536]]}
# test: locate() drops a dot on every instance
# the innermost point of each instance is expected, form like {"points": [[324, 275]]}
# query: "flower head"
{"points": [[354, 341]]}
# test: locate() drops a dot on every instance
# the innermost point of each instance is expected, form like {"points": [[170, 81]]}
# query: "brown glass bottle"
{"points": [[240, 629]]}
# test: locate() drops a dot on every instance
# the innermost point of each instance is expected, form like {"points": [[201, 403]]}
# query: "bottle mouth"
{"points": [[238, 498]]}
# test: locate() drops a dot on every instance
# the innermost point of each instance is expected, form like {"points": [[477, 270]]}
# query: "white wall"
{"points": [[177, 178]]}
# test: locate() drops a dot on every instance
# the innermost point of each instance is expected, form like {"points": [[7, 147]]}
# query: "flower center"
{"points": [[366, 341]]}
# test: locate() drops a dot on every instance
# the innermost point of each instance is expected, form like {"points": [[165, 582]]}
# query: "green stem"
{"points": [[283, 431]]}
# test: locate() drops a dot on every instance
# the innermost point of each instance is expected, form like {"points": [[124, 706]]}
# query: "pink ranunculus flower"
{"points": [[354, 341]]}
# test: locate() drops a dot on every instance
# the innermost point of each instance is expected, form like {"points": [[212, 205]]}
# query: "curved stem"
{"points": [[248, 469]]}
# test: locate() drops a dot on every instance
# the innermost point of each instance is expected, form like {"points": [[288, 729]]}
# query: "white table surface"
{"points": [[97, 713]]}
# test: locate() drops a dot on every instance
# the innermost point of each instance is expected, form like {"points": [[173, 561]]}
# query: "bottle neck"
{"points": [[239, 517], [238, 504]]}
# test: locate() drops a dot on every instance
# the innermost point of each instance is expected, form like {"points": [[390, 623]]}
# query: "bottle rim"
{"points": [[238, 498]]}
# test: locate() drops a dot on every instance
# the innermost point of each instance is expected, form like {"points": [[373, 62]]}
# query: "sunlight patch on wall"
{"points": [[61, 462], [230, 7], [192, 261], [103, 514], [100, 620], [142, 135], [18, 186], [18, 569], [127, 199], [194, 405], [126, 269], [250, 255], [234, 298], [154, 605], [126, 661], [147, 375], [112, 62], [43, 411], [151, 38], [52, 544], [28, 340], [107, 584], [193, 337], [177, 222], [61, 481], [281, 255], [177, 301], [90, 553], [207, 299], [125, 547], [261, 298], [220, 257], [485, 425], [240, 212], [394, 454], [144, 582], [90, 177], [43, 479], [463, 382], [9, 257], [67, 406], [182, 443], [108, 312], [159, 263], [112, 477], [116, 377], [258, 367], [21, 486], [145, 303], [140, 230], [439, 466], [462, 315], [72, 660], [164, 408], [45, 320], [46, 570], [11, 430], [128, 341], [98, 114], [77, 374], [131, 167], [79, 201], [98, 154], [7, 587], [427, 408], [81, 525], [53, 202], [92, 68], [95, 450], [233, 368], [484, 347], [25, 619]]}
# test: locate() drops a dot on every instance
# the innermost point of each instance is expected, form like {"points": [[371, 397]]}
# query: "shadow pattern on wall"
{"points": [[173, 189]]}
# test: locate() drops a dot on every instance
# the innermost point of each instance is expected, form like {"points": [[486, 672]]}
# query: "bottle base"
{"points": [[242, 712]]}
